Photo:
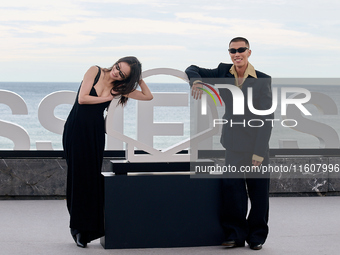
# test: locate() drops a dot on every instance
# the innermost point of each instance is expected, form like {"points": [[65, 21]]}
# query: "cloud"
{"points": [[145, 47], [127, 26], [86, 31], [41, 11], [74, 54], [263, 31], [131, 2]]}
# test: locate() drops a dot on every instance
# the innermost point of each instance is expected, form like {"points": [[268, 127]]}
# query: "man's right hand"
{"points": [[195, 91]]}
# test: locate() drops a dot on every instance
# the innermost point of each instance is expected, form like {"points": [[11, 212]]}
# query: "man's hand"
{"points": [[195, 91]]}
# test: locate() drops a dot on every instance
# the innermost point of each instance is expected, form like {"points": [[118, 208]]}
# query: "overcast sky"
{"points": [[57, 41]]}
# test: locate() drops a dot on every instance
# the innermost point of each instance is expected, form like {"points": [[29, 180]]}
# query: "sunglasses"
{"points": [[239, 50], [119, 71]]}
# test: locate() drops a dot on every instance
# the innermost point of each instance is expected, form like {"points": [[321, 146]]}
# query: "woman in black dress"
{"points": [[84, 142]]}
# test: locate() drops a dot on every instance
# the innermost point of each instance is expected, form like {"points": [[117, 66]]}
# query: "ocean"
{"points": [[32, 93]]}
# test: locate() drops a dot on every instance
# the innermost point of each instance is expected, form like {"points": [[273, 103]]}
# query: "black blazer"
{"points": [[240, 137]]}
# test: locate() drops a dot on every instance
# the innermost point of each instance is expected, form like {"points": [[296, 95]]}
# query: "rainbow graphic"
{"points": [[209, 93]]}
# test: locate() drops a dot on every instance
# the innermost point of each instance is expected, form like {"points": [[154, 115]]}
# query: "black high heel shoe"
{"points": [[80, 240]]}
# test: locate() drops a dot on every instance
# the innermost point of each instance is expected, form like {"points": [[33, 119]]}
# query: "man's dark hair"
{"points": [[240, 39]]}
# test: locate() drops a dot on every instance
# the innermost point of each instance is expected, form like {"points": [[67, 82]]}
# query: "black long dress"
{"points": [[83, 142]]}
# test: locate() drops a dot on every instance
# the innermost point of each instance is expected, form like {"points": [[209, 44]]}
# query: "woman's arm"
{"points": [[86, 86], [143, 94]]}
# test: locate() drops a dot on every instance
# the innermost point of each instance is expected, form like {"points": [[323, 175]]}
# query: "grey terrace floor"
{"points": [[298, 225]]}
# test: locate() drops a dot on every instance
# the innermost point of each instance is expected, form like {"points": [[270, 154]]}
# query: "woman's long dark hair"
{"points": [[128, 85]]}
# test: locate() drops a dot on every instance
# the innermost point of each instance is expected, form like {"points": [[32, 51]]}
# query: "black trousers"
{"points": [[237, 186]]}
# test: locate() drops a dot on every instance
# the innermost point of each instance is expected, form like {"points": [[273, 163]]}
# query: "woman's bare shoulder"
{"points": [[92, 72]]}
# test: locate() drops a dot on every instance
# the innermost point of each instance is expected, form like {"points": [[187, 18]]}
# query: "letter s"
{"points": [[46, 114], [10, 130]]}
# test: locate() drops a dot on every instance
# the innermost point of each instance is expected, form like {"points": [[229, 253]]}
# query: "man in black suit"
{"points": [[245, 138]]}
